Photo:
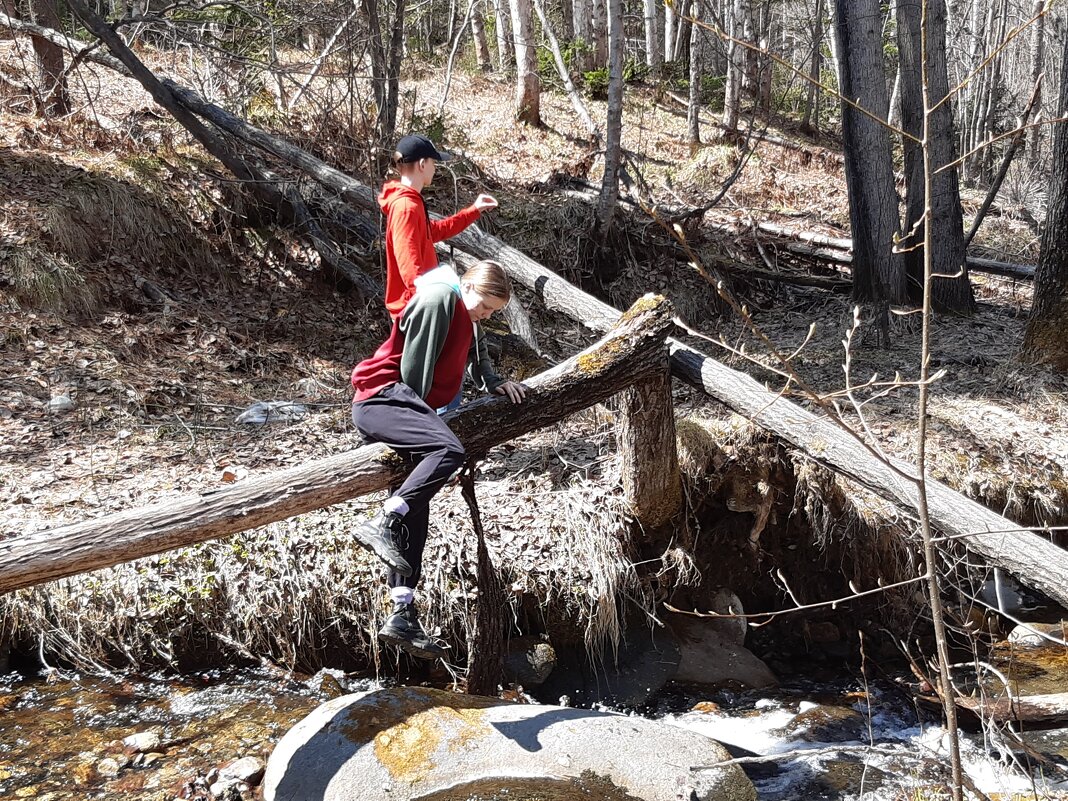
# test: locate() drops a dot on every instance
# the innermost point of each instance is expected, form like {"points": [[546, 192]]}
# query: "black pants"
{"points": [[399, 418]]}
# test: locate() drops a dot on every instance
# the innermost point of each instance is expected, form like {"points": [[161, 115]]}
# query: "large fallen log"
{"points": [[1033, 709], [631, 351], [823, 244], [1032, 559]]}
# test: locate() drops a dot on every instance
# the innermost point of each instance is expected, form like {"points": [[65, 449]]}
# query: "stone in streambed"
{"points": [[407, 743], [708, 657]]}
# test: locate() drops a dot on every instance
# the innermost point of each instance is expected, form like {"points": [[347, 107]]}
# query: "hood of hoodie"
{"points": [[393, 190], [442, 274]]}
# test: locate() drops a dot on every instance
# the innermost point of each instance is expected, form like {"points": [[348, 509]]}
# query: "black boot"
{"points": [[381, 535], [404, 630]]}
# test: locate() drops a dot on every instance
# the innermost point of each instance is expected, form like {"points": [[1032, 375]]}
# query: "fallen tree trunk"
{"points": [[1033, 560], [631, 351], [268, 189], [1034, 709], [1024, 272]]}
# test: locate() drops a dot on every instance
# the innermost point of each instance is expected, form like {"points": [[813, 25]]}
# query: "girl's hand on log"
{"points": [[485, 202], [514, 390]]}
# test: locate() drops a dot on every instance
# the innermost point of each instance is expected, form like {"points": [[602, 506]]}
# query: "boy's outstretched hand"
{"points": [[485, 202], [514, 390]]}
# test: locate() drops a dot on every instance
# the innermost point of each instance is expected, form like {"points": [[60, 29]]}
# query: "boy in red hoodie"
{"points": [[410, 233]]}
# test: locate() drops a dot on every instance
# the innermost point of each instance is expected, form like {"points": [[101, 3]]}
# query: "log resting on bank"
{"points": [[631, 351], [1032, 559]]}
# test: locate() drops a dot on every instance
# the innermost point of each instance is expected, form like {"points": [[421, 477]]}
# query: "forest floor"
{"points": [[96, 221]]}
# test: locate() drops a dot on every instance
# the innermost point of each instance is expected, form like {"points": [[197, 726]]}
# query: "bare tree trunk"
{"points": [[528, 84], [567, 16], [55, 101], [651, 481], [1038, 66], [681, 46], [565, 75], [505, 48], [693, 105], [599, 33], [396, 54], [613, 153], [877, 275], [1045, 340], [735, 67], [653, 57], [478, 33], [947, 220], [669, 32], [582, 13], [810, 121]]}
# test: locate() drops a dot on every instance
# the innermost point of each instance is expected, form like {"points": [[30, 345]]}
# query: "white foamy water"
{"points": [[901, 755]]}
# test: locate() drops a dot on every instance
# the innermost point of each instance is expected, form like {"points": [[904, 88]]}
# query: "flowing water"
{"points": [[61, 737]]}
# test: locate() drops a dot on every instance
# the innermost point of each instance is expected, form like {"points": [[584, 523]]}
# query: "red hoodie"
{"points": [[410, 238]]}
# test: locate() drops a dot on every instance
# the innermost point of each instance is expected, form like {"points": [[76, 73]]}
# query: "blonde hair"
{"points": [[489, 278]]}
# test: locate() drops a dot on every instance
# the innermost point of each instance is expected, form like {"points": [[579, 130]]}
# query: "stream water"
{"points": [[61, 737]]}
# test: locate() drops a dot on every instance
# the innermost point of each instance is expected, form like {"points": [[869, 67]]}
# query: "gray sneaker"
{"points": [[381, 535], [404, 630]]}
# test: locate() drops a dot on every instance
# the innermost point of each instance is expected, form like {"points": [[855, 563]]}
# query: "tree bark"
{"points": [[1038, 68], [505, 48], [947, 219], [599, 33], [693, 101], [478, 33], [877, 276], [652, 485], [629, 352], [528, 84], [613, 145], [51, 79], [732, 96], [669, 32], [653, 57], [810, 120], [1045, 340]]}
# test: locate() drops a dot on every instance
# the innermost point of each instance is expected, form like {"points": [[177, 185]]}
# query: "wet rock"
{"points": [[60, 404], [528, 661], [706, 657], [1053, 743], [142, 742], [645, 661], [109, 767], [826, 724], [823, 632], [705, 706], [846, 776], [411, 742], [248, 770], [1027, 634]]}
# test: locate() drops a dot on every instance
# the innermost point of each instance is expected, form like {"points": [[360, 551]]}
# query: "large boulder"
{"points": [[409, 742], [709, 656]]}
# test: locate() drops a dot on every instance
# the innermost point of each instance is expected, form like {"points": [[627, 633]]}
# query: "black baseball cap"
{"points": [[414, 147]]}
